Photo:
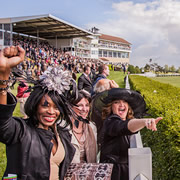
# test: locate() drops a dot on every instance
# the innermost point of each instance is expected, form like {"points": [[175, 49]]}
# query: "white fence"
{"points": [[140, 158]]}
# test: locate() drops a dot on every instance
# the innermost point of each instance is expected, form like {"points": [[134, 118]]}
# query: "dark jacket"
{"points": [[84, 83], [28, 149], [114, 146], [95, 115], [93, 74]]}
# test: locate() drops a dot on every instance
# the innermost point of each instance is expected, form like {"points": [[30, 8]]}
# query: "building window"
{"points": [[110, 54], [100, 53], [114, 54], [125, 55], [119, 55], [94, 45], [104, 53], [94, 52], [1, 33], [106, 44]]}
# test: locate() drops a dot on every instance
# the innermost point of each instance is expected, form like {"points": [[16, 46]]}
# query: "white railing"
{"points": [[114, 47], [140, 158], [140, 177]]}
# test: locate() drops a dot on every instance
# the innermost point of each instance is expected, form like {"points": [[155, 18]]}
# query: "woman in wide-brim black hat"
{"points": [[119, 108]]}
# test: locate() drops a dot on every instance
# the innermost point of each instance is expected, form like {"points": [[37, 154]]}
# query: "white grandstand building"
{"points": [[68, 37]]}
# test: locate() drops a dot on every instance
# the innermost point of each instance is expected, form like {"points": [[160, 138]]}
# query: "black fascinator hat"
{"points": [[55, 82], [133, 98]]}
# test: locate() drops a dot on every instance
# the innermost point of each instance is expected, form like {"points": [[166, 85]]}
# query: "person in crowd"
{"points": [[84, 81], [120, 108], [104, 84], [103, 73], [84, 135], [37, 147], [95, 114], [22, 96], [124, 68], [93, 72], [74, 76]]}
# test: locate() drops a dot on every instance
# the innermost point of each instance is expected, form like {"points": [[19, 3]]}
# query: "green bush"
{"points": [[133, 70], [162, 100]]}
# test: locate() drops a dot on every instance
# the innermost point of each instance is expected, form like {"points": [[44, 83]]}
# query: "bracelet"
{"points": [[4, 82], [4, 89]]}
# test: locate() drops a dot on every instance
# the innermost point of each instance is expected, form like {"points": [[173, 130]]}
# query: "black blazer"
{"points": [[84, 83]]}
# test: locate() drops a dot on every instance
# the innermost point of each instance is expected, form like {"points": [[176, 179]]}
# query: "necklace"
{"points": [[78, 132]]}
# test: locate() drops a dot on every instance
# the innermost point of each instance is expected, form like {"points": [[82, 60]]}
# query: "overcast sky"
{"points": [[152, 27]]}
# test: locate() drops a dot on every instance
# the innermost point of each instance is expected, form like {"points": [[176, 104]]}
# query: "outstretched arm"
{"points": [[9, 58], [135, 125]]}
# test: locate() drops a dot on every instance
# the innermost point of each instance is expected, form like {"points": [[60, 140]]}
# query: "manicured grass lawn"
{"points": [[116, 75], [172, 80]]}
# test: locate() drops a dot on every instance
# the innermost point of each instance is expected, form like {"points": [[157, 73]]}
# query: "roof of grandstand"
{"points": [[113, 38], [45, 26]]}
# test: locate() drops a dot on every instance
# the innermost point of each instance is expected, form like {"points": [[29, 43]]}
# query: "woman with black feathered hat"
{"points": [[119, 108], [36, 148]]}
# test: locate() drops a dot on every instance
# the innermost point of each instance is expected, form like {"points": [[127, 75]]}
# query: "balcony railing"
{"points": [[80, 46], [114, 47], [83, 55]]}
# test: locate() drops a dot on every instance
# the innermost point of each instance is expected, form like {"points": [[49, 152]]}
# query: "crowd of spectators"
{"points": [[115, 115], [39, 57]]}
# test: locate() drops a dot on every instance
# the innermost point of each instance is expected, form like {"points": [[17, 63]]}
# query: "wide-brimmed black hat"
{"points": [[133, 98]]}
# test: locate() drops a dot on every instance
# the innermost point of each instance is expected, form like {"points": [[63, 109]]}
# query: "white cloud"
{"points": [[153, 28]]}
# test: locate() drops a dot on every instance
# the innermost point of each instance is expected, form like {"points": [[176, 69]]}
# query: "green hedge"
{"points": [[162, 100], [2, 159]]}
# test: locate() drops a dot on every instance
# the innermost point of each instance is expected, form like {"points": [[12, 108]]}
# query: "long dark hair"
{"points": [[34, 99], [81, 94]]}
